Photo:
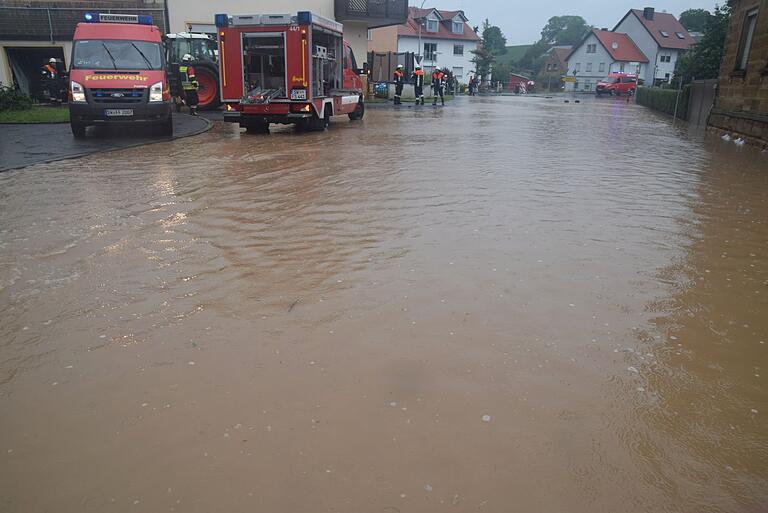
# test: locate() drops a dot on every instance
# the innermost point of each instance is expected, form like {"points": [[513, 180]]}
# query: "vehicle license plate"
{"points": [[298, 94], [118, 112]]}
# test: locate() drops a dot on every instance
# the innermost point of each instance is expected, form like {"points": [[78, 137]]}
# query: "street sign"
{"points": [[570, 80]]}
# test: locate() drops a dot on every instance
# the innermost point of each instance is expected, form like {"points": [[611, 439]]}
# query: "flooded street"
{"points": [[510, 304]]}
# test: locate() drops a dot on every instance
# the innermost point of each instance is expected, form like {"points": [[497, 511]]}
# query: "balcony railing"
{"points": [[376, 13]]}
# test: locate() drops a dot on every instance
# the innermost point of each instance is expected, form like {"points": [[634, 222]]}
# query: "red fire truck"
{"points": [[279, 68]]}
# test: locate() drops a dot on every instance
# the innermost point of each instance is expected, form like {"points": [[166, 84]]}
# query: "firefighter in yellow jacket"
{"points": [[189, 84]]}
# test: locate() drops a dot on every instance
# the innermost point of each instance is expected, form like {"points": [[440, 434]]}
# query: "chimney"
{"points": [[604, 29], [648, 13]]}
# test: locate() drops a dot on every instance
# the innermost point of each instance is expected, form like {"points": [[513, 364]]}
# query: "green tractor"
{"points": [[205, 54]]}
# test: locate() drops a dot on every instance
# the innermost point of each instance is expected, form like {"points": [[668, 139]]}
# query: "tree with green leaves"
{"points": [[559, 31], [703, 61], [564, 30], [493, 44], [494, 39], [695, 20]]}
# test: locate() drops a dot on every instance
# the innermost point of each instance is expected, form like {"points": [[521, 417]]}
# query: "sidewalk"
{"points": [[23, 145]]}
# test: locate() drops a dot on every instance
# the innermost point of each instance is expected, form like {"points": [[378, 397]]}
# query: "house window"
{"points": [[432, 25], [602, 67], [458, 28], [577, 68], [587, 85], [589, 67], [458, 49], [680, 35], [621, 68], [665, 58], [592, 48], [664, 33], [745, 46], [458, 73], [430, 51], [370, 35]]}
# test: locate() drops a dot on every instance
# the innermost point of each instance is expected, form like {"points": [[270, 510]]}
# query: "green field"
{"points": [[514, 54], [36, 114]]}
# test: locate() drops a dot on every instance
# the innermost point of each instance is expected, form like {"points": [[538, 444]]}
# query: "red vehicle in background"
{"points": [[286, 69], [616, 84], [117, 74]]}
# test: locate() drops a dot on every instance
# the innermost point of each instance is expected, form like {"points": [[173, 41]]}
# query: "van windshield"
{"points": [[117, 55]]}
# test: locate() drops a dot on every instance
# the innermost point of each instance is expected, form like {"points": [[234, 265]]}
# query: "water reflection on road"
{"points": [[320, 322]]}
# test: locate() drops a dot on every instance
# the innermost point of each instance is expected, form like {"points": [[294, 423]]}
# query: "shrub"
{"points": [[11, 99], [663, 100]]}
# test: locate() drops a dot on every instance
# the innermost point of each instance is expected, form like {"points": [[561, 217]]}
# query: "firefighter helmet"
{"points": [[400, 66], [418, 66], [187, 58], [52, 60]]}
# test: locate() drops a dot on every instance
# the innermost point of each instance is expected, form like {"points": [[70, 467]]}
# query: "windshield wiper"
{"points": [[149, 64], [114, 63]]}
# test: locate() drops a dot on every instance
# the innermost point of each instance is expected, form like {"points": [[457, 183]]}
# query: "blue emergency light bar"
{"points": [[134, 19], [222, 20], [304, 17]]}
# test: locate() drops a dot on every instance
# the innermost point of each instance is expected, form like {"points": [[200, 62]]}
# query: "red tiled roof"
{"points": [[562, 55], [411, 26], [619, 46], [664, 22]]}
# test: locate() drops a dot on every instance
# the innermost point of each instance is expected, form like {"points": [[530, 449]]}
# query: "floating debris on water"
{"points": [[486, 418]]}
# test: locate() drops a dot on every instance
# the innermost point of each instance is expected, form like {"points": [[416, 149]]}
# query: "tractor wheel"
{"points": [[208, 93]]}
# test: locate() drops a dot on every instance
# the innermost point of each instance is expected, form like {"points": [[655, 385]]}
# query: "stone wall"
{"points": [[24, 20], [742, 103]]}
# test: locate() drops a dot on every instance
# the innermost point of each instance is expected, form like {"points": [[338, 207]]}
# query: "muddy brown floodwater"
{"points": [[510, 304]]}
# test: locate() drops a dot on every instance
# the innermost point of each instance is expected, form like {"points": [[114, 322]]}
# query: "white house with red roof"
{"points": [[442, 38], [602, 52], [661, 37]]}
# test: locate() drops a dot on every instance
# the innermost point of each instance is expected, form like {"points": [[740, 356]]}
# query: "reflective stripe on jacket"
{"points": [[418, 78], [188, 78]]}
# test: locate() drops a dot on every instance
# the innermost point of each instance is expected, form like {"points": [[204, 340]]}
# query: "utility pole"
{"points": [[419, 56]]}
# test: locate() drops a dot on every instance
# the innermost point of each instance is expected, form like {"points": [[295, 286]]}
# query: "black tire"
{"points": [[359, 112], [325, 123], [78, 130], [166, 127], [257, 128], [315, 123]]}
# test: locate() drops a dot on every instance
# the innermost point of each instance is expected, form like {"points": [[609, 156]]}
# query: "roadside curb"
{"points": [[207, 127]]}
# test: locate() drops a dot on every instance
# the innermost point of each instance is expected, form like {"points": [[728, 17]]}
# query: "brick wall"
{"points": [[742, 103], [32, 24]]}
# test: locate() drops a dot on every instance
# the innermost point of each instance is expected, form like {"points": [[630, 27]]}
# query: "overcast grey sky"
{"points": [[522, 21]]}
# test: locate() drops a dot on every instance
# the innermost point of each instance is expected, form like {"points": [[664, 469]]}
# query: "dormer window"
{"points": [[432, 25], [458, 27], [664, 33]]}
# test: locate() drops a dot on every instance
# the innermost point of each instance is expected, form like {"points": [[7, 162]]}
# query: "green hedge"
{"points": [[663, 100]]}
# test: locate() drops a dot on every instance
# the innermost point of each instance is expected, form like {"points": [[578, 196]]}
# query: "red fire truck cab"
{"points": [[279, 68], [117, 74]]}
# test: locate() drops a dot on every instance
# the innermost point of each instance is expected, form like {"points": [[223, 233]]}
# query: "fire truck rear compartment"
{"points": [[264, 64], [327, 64]]}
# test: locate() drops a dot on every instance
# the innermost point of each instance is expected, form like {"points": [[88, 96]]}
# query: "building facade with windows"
{"points": [[741, 107], [661, 37], [600, 53], [554, 68], [442, 38]]}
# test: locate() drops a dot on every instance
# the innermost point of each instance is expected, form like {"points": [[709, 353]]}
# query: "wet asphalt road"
{"points": [[510, 304], [23, 145]]}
